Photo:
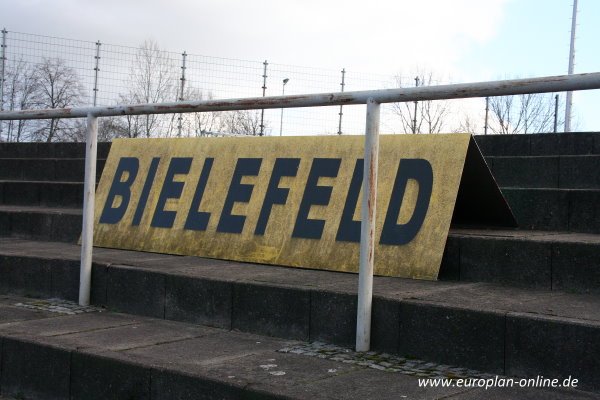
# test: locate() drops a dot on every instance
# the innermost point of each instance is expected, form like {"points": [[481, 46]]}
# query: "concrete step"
{"points": [[542, 260], [487, 327], [573, 210], [536, 259], [41, 193], [41, 223], [46, 169], [109, 355], [49, 150], [564, 172], [549, 144], [575, 143]]}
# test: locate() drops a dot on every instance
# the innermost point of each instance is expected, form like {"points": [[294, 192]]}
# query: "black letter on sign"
{"points": [[112, 215], [315, 195], [170, 190], [197, 221], [349, 230], [419, 170], [238, 192], [275, 194], [139, 211]]}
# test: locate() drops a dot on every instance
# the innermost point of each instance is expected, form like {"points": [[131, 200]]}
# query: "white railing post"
{"points": [[367, 228], [89, 195]]}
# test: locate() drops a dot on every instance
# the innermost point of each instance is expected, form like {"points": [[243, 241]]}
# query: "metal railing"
{"points": [[372, 98]]}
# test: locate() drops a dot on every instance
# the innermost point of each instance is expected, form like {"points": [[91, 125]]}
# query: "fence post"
{"points": [[182, 87], [414, 129], [487, 109], [367, 228], [341, 107], [2, 75], [264, 88], [569, 100], [89, 193], [96, 71], [555, 113]]}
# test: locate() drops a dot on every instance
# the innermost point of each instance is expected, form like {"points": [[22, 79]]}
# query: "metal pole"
{"points": [[487, 110], [281, 118], [547, 84], [87, 231], [182, 79], [569, 101], [2, 75], [415, 119], [367, 228], [341, 113], [264, 88], [96, 71], [555, 113]]}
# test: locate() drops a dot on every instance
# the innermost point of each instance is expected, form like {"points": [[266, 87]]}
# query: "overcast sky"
{"points": [[464, 40]]}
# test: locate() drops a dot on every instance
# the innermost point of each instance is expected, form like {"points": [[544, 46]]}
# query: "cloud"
{"points": [[379, 36]]}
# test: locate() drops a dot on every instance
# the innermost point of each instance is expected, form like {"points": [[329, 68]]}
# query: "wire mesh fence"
{"points": [[49, 72]]}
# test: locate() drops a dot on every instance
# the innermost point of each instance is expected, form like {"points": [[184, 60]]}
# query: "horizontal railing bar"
{"points": [[559, 83]]}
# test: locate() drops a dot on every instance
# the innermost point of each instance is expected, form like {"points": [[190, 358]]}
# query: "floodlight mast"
{"points": [[569, 101]]}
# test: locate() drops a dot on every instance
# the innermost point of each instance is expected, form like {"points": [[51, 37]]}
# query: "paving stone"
{"points": [[133, 335]]}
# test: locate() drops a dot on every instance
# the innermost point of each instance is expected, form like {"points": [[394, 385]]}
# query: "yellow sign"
{"points": [[291, 201]]}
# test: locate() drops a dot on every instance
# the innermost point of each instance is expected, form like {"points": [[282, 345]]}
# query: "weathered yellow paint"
{"points": [[420, 258]]}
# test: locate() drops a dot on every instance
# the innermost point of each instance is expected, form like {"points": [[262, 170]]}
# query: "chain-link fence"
{"points": [[47, 72]]}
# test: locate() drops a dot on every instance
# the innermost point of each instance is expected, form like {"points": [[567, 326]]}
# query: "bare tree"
{"points": [[58, 86], [152, 79], [525, 113], [21, 85], [109, 128], [429, 116], [467, 125], [241, 122]]}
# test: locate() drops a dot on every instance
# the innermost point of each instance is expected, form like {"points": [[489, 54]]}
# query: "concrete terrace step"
{"points": [[574, 210], [564, 172], [49, 150], [106, 355], [542, 260], [548, 144], [535, 259], [41, 223], [487, 327], [46, 169], [41, 193], [574, 143]]}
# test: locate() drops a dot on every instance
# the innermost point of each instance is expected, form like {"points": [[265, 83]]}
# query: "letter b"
{"points": [[110, 214]]}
